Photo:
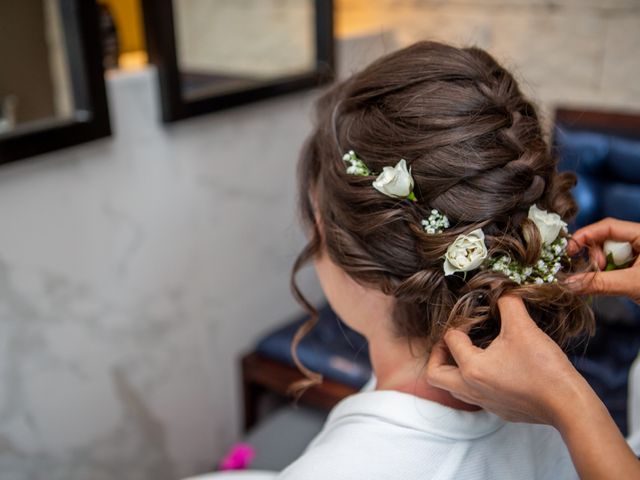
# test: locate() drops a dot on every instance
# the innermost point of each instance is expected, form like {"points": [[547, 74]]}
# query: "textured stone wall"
{"points": [[564, 52]]}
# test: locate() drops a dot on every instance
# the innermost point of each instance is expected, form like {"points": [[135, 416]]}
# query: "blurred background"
{"points": [[147, 198]]}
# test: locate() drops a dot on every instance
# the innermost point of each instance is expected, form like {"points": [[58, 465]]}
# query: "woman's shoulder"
{"points": [[320, 464], [345, 458], [376, 435]]}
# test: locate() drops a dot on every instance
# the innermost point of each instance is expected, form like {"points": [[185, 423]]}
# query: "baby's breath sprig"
{"points": [[435, 223], [357, 166], [551, 259]]}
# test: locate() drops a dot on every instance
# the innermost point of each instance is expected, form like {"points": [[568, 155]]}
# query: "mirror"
{"points": [[213, 54], [227, 45], [35, 84], [51, 83]]}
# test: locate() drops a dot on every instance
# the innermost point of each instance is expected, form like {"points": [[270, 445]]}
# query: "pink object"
{"points": [[238, 458]]}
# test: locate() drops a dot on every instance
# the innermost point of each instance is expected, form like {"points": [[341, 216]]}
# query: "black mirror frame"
{"points": [[83, 43], [160, 37]]}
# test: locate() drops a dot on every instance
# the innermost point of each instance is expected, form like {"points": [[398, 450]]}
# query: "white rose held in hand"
{"points": [[619, 253], [549, 224], [395, 181], [466, 253]]}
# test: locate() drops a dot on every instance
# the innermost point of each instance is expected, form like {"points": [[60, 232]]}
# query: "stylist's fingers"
{"points": [[440, 372], [439, 356], [460, 345], [607, 229], [616, 282], [455, 347], [513, 314], [596, 254]]}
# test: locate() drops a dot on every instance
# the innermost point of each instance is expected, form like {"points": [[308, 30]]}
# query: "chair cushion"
{"points": [[330, 348]]}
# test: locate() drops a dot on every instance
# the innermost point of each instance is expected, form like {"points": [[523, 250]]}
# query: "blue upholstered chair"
{"points": [[331, 348], [603, 149], [608, 169]]}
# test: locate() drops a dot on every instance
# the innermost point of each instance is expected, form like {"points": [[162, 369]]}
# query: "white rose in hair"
{"points": [[467, 252], [618, 252], [549, 224], [395, 181]]}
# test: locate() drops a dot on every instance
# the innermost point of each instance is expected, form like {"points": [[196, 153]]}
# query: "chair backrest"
{"points": [[603, 149]]}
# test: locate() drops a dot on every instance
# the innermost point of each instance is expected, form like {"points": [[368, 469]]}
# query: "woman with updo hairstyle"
{"points": [[476, 154]]}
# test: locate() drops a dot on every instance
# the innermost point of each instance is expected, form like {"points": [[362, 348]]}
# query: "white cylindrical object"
{"points": [[633, 406]]}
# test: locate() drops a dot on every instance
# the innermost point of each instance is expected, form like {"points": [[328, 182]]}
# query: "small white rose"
{"points": [[467, 252], [395, 181], [549, 224], [621, 252]]}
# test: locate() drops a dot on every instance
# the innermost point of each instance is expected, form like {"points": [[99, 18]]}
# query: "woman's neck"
{"points": [[397, 368]]}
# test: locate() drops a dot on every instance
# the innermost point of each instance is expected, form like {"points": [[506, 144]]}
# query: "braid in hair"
{"points": [[477, 153]]}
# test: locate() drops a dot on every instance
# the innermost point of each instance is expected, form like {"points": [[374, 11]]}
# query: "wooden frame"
{"points": [[160, 37], [261, 374], [617, 123], [82, 38]]}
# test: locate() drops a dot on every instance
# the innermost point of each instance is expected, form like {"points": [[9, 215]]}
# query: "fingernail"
{"points": [[571, 282]]}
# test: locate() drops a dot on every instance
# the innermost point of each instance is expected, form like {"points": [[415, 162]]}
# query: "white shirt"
{"points": [[384, 435]]}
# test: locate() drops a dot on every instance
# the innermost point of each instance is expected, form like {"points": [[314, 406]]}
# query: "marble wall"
{"points": [[133, 273]]}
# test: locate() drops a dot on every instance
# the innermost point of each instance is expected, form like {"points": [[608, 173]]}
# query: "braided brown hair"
{"points": [[477, 154]]}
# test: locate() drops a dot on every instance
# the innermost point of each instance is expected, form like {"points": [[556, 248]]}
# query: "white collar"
{"points": [[409, 411]]}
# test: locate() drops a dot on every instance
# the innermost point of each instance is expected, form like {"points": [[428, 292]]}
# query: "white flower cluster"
{"points": [[544, 271], [357, 166], [552, 255], [469, 251], [436, 223]]}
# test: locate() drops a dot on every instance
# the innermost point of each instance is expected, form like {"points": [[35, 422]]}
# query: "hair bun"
{"points": [[476, 152]]}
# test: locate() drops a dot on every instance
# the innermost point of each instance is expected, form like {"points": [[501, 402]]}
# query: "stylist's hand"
{"points": [[523, 376], [616, 282]]}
